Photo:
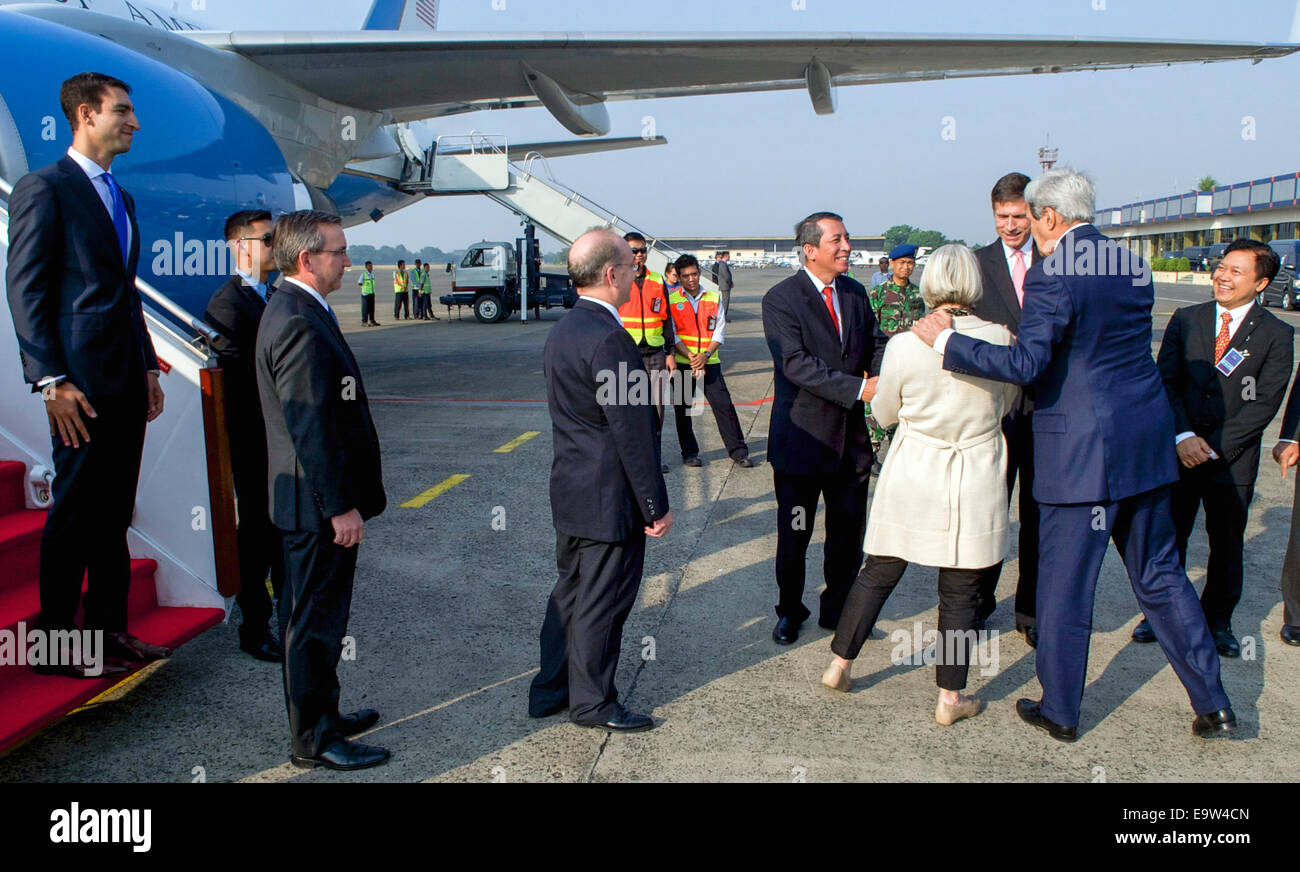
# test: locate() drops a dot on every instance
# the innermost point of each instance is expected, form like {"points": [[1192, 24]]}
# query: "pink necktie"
{"points": [[1018, 276]]}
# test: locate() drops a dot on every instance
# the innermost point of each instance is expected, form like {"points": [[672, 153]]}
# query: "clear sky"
{"points": [[753, 164]]}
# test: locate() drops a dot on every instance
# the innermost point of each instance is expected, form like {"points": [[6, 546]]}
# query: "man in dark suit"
{"points": [[607, 493], [235, 311], [73, 250], [824, 342], [1003, 267], [1225, 365], [1287, 454], [324, 482], [1085, 346]]}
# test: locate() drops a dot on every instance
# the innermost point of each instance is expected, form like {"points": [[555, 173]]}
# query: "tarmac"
{"points": [[450, 596]]}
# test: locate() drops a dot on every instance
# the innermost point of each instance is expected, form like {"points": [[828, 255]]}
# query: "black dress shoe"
{"points": [[1214, 724], [745, 462], [692, 461], [786, 631], [1143, 634], [624, 722], [1226, 643], [266, 648], [1290, 634], [1031, 634], [357, 722], [344, 755], [1029, 713]]}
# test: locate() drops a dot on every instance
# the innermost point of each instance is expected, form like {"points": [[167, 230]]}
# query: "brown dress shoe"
{"points": [[129, 648]]}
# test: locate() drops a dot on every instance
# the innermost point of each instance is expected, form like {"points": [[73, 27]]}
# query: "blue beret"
{"points": [[903, 250]]}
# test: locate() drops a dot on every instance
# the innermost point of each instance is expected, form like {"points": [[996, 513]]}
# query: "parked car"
{"points": [[1288, 250], [1196, 255], [1214, 255], [1280, 291]]}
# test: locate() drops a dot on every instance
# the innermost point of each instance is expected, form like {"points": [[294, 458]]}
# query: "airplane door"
{"points": [[13, 159]]}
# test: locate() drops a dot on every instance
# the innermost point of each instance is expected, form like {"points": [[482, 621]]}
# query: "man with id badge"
{"points": [[1225, 365]]}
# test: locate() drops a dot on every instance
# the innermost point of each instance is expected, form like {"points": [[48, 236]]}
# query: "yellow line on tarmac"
{"points": [[516, 442], [436, 491]]}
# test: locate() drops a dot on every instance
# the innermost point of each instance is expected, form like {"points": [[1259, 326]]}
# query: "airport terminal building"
{"points": [[1263, 209]]}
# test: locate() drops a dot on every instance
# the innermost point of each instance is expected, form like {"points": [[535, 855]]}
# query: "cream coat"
{"points": [[941, 498]]}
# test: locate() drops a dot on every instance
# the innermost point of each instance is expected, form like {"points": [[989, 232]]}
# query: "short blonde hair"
{"points": [[952, 276]]}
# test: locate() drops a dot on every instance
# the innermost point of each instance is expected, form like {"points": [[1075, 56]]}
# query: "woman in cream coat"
{"points": [[941, 497]]}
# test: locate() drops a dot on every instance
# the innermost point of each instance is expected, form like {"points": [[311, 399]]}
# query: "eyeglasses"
{"points": [[265, 237], [338, 251]]}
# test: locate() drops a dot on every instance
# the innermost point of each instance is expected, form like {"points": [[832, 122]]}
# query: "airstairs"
{"points": [[479, 164]]}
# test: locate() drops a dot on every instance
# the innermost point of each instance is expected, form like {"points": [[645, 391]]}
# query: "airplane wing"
{"points": [[424, 75]]}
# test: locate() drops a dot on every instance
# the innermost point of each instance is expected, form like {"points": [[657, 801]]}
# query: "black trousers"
{"points": [[85, 530], [367, 308], [260, 551], [583, 629], [845, 494], [401, 302], [425, 305], [724, 412], [314, 610], [1020, 461], [959, 595], [1227, 507], [1291, 568]]}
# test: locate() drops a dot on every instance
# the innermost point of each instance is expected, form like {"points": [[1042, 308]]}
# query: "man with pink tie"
{"points": [[1003, 266]]}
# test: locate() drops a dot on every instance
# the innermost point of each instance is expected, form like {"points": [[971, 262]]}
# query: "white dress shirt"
{"points": [[96, 174], [1238, 315], [835, 301], [259, 287]]}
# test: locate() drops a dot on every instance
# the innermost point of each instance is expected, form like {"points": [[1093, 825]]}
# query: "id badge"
{"points": [[1230, 361], [713, 322], [655, 305]]}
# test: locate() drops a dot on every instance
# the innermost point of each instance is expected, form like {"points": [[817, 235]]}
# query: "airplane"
{"points": [[362, 124], [283, 120]]}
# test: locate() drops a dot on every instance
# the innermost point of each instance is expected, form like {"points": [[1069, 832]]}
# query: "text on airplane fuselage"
{"points": [[137, 12]]}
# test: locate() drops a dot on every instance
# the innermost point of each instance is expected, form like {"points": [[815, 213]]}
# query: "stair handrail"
{"points": [[609, 216]]}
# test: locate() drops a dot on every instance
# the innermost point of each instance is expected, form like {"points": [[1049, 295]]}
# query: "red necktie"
{"points": [[1221, 341], [830, 306]]}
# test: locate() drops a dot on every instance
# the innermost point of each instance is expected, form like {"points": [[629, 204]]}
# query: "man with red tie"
{"points": [[1225, 364], [1003, 267], [826, 350]]}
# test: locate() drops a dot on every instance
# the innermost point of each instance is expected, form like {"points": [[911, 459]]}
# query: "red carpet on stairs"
{"points": [[30, 702]]}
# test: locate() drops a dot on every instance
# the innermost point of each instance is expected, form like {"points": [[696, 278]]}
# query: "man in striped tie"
{"points": [[1225, 364]]}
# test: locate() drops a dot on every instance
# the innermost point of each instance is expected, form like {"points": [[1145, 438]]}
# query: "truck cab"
{"points": [[488, 280]]}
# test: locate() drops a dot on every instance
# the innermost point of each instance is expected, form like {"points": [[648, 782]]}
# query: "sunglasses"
{"points": [[637, 251], [265, 237]]}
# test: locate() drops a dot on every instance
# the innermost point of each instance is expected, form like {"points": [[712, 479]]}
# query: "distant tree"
{"points": [[897, 235], [1206, 185], [928, 238], [561, 257]]}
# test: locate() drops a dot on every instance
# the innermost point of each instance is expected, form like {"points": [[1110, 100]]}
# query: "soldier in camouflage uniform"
{"points": [[896, 306]]}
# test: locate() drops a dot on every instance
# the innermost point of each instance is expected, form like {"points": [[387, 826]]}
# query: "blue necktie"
{"points": [[119, 216]]}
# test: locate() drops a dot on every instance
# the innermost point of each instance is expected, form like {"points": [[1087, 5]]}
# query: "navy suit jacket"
{"points": [[322, 449], [235, 311], [605, 479], [1103, 429], [75, 306], [817, 414]]}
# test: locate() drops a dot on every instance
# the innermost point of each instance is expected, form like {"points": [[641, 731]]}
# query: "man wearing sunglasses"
{"points": [[645, 317], [235, 311]]}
